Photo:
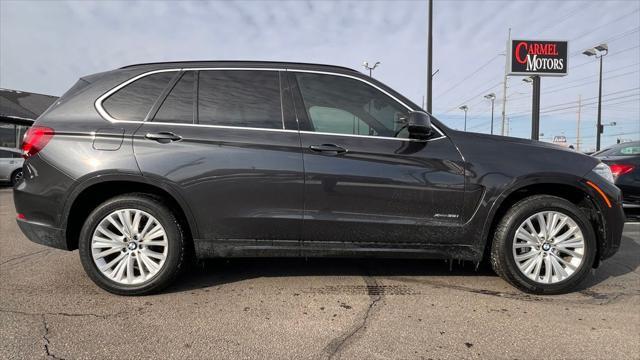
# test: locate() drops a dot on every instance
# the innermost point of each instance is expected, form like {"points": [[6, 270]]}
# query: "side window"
{"points": [[5, 155], [134, 101], [341, 105], [178, 106], [332, 120], [244, 98]]}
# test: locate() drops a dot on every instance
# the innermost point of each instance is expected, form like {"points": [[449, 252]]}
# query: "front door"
{"points": [[365, 180]]}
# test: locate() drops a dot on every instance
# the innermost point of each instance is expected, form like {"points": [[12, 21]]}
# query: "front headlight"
{"points": [[604, 171]]}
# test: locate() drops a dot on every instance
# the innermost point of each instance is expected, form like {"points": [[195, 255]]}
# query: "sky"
{"points": [[45, 46]]}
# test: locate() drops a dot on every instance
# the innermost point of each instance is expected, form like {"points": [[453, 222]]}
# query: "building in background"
{"points": [[18, 110]]}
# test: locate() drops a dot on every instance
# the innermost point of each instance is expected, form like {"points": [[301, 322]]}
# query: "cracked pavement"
{"points": [[315, 309]]}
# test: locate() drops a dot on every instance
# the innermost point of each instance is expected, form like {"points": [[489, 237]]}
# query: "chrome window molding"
{"points": [[105, 115]]}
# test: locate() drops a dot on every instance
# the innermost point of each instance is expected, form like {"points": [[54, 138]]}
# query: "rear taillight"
{"points": [[35, 139], [620, 169]]}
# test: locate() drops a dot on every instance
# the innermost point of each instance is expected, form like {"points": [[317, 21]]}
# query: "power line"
{"points": [[605, 24], [576, 106], [473, 97], [555, 90], [566, 16], [610, 56], [469, 76], [587, 62], [592, 76], [595, 97]]}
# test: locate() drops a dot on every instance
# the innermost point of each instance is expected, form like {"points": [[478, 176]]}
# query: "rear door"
{"points": [[365, 180], [219, 136], [7, 164]]}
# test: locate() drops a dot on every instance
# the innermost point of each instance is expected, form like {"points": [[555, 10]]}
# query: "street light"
{"points": [[491, 97], [370, 68], [599, 52], [464, 108]]}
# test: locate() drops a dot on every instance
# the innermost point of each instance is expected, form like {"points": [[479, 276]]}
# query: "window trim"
{"points": [[105, 115]]}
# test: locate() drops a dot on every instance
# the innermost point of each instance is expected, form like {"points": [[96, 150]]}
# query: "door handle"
{"points": [[330, 149], [163, 137]]}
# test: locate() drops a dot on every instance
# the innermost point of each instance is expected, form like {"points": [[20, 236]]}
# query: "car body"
{"points": [[624, 160], [10, 165], [288, 159]]}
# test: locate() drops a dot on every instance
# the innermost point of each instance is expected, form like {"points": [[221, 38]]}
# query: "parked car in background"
{"points": [[141, 166], [624, 161], [10, 165]]}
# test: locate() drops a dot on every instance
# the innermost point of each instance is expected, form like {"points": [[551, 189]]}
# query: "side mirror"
{"points": [[419, 125]]}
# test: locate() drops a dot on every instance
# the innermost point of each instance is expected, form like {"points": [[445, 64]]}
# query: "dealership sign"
{"points": [[533, 57]]}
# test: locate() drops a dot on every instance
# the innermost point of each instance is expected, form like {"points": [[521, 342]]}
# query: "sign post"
{"points": [[535, 109], [536, 58]]}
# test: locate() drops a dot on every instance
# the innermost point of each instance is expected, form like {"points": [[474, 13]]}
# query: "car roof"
{"points": [[241, 64]]}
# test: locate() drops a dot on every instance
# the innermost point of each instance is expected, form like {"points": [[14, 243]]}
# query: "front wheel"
{"points": [[132, 245], [543, 245]]}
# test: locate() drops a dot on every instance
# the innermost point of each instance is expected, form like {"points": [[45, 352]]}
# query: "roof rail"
{"points": [[245, 62]]}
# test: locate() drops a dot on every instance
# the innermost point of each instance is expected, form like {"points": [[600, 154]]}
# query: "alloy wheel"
{"points": [[129, 246], [548, 247]]}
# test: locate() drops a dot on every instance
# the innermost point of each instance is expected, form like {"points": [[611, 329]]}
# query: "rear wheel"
{"points": [[132, 245], [543, 245], [16, 176]]}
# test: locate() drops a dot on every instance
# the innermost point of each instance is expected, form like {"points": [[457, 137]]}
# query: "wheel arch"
{"points": [[92, 192], [576, 192]]}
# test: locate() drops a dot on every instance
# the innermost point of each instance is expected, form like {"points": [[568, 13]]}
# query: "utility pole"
{"points": [[578, 127], [504, 85], [430, 58]]}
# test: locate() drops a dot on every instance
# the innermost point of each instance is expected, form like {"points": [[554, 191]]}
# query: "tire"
{"points": [[16, 176], [505, 247], [142, 259]]}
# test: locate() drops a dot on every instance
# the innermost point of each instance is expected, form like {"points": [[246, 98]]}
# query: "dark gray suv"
{"points": [[138, 166]]}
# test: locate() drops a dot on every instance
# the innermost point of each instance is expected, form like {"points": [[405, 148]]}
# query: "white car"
{"points": [[10, 165]]}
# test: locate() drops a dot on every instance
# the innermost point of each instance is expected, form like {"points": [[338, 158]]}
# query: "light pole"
{"points": [[370, 68], [491, 97], [599, 52], [464, 108], [430, 57]]}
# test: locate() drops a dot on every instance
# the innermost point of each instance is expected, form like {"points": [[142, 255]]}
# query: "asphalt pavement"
{"points": [[311, 309]]}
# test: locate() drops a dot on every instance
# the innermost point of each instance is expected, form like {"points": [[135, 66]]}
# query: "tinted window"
{"points": [[342, 105], [632, 148], [332, 120], [134, 101], [244, 98], [178, 106], [6, 154]]}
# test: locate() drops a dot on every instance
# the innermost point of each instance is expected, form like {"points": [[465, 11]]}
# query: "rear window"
{"points": [[134, 101], [244, 98], [6, 154]]}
